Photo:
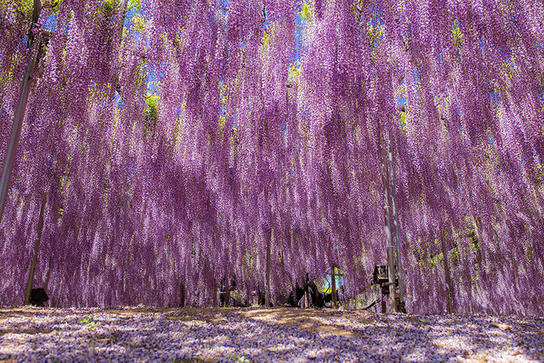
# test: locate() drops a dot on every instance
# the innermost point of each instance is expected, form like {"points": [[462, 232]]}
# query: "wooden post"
{"points": [[46, 283], [182, 295], [270, 235], [214, 290], [20, 110], [388, 234], [449, 283], [47, 278], [35, 252], [333, 288], [396, 225], [227, 298]]}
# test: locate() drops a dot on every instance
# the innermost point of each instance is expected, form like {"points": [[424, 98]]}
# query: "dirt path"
{"points": [[263, 335]]}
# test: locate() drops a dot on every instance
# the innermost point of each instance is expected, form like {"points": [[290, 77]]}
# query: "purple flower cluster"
{"points": [[185, 143]]}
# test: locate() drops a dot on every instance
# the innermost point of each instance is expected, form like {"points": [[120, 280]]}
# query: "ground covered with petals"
{"points": [[262, 335]]}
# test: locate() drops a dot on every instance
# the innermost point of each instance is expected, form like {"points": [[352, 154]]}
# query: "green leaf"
{"points": [[139, 22], [307, 11], [134, 4], [457, 35]]}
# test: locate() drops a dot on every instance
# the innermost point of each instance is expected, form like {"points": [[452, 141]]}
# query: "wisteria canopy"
{"points": [[176, 143]]}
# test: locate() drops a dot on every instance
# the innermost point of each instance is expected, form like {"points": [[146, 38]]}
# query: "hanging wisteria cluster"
{"points": [[180, 143]]}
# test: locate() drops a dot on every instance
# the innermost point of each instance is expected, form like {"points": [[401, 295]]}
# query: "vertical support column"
{"points": [[333, 288], [36, 251], [47, 277], [382, 300], [388, 232], [270, 235], [449, 283], [182, 295], [214, 291], [20, 110], [306, 299], [400, 301], [227, 297]]}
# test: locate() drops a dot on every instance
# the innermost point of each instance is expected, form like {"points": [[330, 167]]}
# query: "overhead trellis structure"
{"points": [[180, 143]]}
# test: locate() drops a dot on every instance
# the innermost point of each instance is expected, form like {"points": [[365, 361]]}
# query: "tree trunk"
{"points": [[36, 251], [117, 37], [20, 111]]}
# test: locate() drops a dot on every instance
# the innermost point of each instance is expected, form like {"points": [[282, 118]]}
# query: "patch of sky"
{"points": [[401, 103], [266, 23], [514, 20], [283, 128], [455, 25], [131, 168], [51, 23], [491, 140], [15, 188], [119, 104], [234, 125], [223, 6], [135, 20], [494, 98], [153, 78], [377, 18], [406, 32], [505, 52], [375, 29], [131, 13], [440, 58], [304, 112], [457, 111], [482, 46], [415, 75], [299, 25], [302, 11], [402, 99], [25, 42], [223, 110], [327, 286]]}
